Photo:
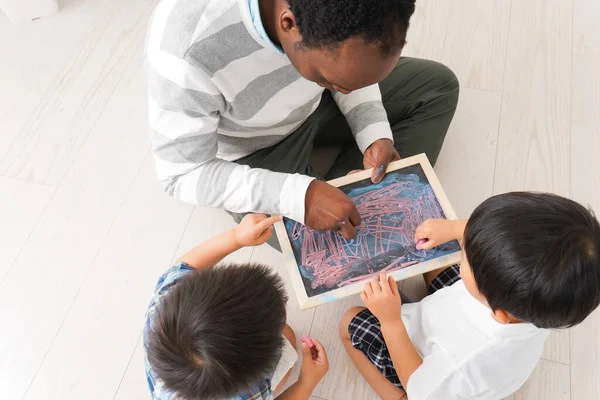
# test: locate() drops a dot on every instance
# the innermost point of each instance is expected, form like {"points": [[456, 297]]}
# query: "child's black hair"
{"points": [[536, 256], [217, 331]]}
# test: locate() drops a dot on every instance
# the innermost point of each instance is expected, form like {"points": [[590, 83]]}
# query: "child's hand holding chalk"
{"points": [[314, 362], [435, 232], [420, 244], [311, 346]]}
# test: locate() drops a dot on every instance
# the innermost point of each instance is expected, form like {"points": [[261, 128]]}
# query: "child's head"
{"points": [[535, 258], [217, 331]]}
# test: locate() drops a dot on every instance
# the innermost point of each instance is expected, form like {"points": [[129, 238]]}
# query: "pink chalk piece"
{"points": [[420, 243], [306, 340]]}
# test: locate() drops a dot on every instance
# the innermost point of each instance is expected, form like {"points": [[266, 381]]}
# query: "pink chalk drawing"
{"points": [[390, 211]]}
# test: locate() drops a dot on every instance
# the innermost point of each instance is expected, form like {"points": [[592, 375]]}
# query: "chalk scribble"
{"points": [[390, 211]]}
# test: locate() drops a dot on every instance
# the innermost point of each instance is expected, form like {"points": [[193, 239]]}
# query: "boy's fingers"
{"points": [[307, 356], [368, 290], [393, 286], [266, 231], [306, 351], [257, 217], [375, 286], [428, 245], [383, 282], [419, 235], [363, 297], [322, 355], [266, 234], [318, 345], [268, 222], [424, 227]]}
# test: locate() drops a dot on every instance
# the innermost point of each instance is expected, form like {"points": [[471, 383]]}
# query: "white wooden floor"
{"points": [[85, 230]]}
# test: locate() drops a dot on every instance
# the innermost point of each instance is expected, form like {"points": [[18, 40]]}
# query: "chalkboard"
{"points": [[324, 266]]}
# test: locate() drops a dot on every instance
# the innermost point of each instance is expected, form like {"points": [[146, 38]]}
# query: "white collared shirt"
{"points": [[466, 353]]}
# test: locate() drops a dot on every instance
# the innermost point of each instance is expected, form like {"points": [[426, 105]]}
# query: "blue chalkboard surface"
{"points": [[391, 211]]}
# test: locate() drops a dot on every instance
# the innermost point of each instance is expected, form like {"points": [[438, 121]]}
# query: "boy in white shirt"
{"points": [[531, 263]]}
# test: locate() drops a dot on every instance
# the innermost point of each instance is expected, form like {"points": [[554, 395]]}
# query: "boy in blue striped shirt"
{"points": [[219, 332]]}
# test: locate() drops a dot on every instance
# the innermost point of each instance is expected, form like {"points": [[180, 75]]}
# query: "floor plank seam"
{"points": [[174, 256], [14, 178], [510, 14], [555, 362], [480, 89], [27, 239], [133, 59], [128, 364], [51, 89], [571, 113]]}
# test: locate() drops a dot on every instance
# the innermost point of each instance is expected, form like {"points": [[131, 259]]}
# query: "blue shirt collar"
{"points": [[258, 25]]}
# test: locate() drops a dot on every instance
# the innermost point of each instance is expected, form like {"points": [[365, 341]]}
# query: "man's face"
{"points": [[353, 65]]}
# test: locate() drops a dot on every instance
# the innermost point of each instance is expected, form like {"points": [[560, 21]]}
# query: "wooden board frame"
{"points": [[293, 270]]}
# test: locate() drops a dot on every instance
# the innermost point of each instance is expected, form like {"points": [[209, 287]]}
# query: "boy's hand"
{"points": [[255, 229], [382, 298], [314, 366], [435, 232]]}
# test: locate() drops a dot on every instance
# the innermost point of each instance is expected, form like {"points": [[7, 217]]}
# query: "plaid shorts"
{"points": [[366, 336]]}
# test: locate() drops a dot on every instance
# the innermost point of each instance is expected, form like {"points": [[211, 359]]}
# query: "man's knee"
{"points": [[345, 321], [420, 77], [444, 77], [443, 82]]}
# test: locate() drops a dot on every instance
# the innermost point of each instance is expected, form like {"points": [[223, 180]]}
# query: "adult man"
{"points": [[237, 101]]}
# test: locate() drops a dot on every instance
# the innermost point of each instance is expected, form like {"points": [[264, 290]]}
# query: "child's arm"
{"points": [[435, 232], [254, 230], [382, 298], [404, 356]]}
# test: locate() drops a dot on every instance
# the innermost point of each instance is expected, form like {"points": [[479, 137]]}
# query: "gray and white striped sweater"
{"points": [[218, 92]]}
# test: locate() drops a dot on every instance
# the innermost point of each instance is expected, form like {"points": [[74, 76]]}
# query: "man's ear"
{"points": [[287, 21], [502, 316]]}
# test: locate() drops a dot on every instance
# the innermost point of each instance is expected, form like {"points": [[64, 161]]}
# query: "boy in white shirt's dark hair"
{"points": [[531, 263]]}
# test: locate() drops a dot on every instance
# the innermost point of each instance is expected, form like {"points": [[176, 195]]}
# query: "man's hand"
{"points": [[329, 209], [314, 366], [378, 156], [254, 230], [382, 298]]}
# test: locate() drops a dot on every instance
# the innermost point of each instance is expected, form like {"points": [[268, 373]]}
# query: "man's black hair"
{"points": [[217, 331], [536, 256], [327, 23]]}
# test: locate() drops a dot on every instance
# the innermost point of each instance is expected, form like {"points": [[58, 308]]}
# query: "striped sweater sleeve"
{"points": [[184, 109], [365, 114]]}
